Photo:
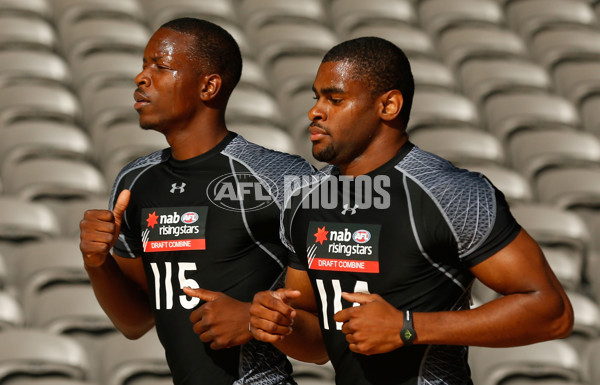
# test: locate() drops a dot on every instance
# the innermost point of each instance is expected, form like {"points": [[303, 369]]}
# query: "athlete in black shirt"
{"points": [[202, 215], [389, 240]]}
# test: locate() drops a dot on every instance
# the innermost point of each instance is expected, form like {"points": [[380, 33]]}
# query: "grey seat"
{"points": [[459, 44], [508, 113], [481, 78], [530, 17], [349, 14], [550, 358], [437, 16]]}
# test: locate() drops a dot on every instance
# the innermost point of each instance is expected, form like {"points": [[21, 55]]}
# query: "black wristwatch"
{"points": [[408, 334]]}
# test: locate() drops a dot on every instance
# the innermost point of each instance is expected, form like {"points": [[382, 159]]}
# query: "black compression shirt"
{"points": [[210, 222], [408, 231]]}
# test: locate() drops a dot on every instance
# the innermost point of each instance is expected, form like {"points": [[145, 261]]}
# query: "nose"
{"points": [[142, 78], [316, 112]]}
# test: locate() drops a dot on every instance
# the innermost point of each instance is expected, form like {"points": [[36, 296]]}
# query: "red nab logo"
{"points": [[321, 235]]}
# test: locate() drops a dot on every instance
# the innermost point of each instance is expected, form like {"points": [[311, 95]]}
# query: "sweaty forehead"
{"points": [[336, 75], [168, 43]]}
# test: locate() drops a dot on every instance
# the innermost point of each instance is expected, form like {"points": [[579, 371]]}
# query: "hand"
{"points": [[271, 316], [100, 230], [221, 320], [372, 328]]}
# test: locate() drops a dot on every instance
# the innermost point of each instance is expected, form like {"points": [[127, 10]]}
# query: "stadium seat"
{"points": [[436, 16], [460, 145], [569, 187], [515, 187], [566, 264], [272, 137], [252, 105], [435, 108], [349, 14], [590, 367], [86, 36], [30, 8], [23, 32], [109, 103], [532, 152], [67, 309], [539, 381], [506, 114], [481, 78], [459, 44], [25, 351], [221, 12], [30, 65], [70, 211], [68, 12], [590, 114], [41, 139], [21, 219], [587, 317], [558, 45], [412, 40], [255, 14], [29, 380], [54, 178], [291, 74], [555, 227], [530, 17], [253, 75], [35, 101], [11, 312], [93, 71], [577, 80], [122, 143], [45, 263], [432, 74], [556, 358], [273, 41], [121, 359]]}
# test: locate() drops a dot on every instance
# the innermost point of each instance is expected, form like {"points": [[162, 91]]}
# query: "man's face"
{"points": [[345, 117], [168, 89]]}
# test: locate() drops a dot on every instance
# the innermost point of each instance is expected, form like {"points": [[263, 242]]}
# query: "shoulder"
{"points": [[272, 168], [267, 161], [440, 178], [466, 199], [129, 174]]}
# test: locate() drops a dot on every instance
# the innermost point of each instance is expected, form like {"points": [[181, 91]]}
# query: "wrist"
{"points": [[407, 333]]}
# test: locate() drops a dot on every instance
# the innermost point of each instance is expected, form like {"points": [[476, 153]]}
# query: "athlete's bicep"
{"points": [[133, 268], [298, 280], [519, 267]]}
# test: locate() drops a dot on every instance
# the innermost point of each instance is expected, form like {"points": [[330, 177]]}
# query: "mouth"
{"points": [[141, 99], [317, 132]]}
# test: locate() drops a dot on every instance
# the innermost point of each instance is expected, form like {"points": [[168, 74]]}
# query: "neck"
{"points": [[197, 136], [380, 151]]}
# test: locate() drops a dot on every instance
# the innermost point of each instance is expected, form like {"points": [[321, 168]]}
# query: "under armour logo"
{"points": [[174, 188], [348, 208]]}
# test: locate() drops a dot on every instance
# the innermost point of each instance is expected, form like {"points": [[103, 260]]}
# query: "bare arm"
{"points": [[534, 308], [119, 283], [287, 319]]}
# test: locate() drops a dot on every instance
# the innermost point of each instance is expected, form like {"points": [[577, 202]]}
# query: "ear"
{"points": [[210, 87], [391, 104]]}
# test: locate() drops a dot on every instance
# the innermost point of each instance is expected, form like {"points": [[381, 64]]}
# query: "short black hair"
{"points": [[215, 50], [379, 64]]}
